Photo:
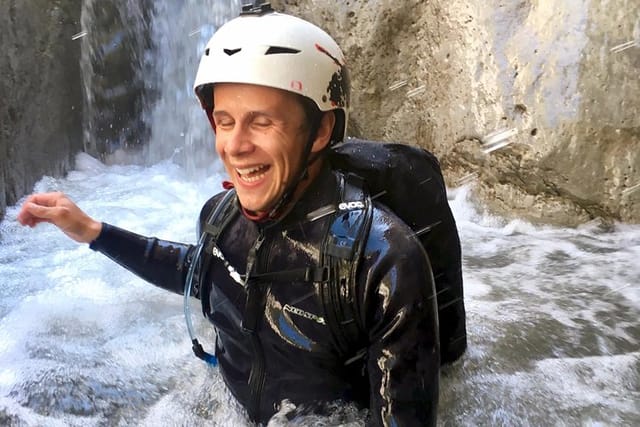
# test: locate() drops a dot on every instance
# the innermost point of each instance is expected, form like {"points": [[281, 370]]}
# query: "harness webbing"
{"points": [[342, 253]]}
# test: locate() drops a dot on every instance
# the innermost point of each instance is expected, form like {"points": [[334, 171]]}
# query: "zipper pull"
{"points": [[252, 256]]}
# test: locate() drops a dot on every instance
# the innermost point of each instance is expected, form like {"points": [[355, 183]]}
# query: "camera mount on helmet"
{"points": [[258, 7]]}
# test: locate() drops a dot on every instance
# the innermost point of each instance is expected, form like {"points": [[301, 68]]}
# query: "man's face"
{"points": [[260, 136]]}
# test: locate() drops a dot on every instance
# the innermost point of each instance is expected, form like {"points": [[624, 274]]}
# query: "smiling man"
{"points": [[262, 135], [317, 293]]}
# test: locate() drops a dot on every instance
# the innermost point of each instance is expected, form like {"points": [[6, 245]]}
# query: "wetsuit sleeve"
{"points": [[160, 262], [401, 319]]}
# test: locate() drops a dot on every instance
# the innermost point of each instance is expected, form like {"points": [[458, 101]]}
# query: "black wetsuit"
{"points": [[291, 354]]}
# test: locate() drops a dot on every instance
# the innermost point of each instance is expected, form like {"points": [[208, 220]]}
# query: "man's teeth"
{"points": [[252, 174]]}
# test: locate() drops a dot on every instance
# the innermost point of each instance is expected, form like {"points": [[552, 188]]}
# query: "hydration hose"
{"points": [[195, 345], [197, 260]]}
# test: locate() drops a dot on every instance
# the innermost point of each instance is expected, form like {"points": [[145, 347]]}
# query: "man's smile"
{"points": [[252, 174]]}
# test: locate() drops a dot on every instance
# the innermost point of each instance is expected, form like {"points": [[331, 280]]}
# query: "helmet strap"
{"points": [[289, 192]]}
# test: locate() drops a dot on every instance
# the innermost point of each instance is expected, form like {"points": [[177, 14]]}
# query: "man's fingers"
{"points": [[24, 216], [38, 213], [35, 208], [32, 222], [45, 199]]}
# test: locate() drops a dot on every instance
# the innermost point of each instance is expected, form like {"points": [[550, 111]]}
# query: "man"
{"points": [[276, 91]]}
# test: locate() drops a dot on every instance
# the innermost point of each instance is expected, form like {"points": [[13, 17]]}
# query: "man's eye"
{"points": [[261, 123], [225, 124]]}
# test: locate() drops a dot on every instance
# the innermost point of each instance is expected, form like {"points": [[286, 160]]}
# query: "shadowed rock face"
{"points": [[445, 74], [40, 93], [115, 69]]}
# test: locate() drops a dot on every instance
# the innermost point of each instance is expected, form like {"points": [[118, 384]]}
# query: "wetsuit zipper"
{"points": [[253, 312]]}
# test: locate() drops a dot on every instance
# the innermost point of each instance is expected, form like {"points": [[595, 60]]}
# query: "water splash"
{"points": [[624, 46], [498, 139], [630, 190], [467, 179], [417, 91], [79, 35], [397, 85]]}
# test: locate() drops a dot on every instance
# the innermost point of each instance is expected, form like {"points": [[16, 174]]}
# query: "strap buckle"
{"points": [[317, 274]]}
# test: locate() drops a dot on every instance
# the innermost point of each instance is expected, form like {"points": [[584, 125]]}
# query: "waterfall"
{"points": [[179, 31], [114, 63], [139, 61]]}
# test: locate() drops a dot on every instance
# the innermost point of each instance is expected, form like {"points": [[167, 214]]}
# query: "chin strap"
{"points": [[291, 188]]}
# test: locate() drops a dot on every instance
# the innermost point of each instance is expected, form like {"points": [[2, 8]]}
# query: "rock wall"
{"points": [[115, 68], [40, 93], [556, 77]]}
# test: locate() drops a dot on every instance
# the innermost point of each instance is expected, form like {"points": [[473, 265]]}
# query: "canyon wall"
{"points": [[40, 93], [557, 81]]}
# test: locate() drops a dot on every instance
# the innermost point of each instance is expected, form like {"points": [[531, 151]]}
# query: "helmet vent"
{"points": [[231, 52], [275, 50]]}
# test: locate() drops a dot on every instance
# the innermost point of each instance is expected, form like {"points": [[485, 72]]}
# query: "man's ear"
{"points": [[325, 130]]}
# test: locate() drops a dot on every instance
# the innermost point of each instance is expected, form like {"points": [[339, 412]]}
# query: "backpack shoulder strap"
{"points": [[220, 216], [341, 253], [210, 232]]}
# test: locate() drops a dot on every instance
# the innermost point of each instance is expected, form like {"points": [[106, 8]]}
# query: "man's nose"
{"points": [[239, 142]]}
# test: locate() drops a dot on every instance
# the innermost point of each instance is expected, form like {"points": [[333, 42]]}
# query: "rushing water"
{"points": [[552, 318], [553, 314]]}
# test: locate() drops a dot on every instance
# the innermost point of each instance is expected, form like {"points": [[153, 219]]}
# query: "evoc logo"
{"points": [[345, 206]]}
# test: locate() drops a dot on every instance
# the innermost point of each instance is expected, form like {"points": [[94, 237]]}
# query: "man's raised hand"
{"points": [[58, 209]]}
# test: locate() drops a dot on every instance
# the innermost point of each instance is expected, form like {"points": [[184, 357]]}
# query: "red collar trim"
{"points": [[255, 217]]}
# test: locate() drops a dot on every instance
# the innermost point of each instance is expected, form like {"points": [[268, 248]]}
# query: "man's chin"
{"points": [[255, 202], [252, 207]]}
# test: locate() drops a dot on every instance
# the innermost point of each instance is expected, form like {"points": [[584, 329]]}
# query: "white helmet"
{"points": [[266, 48]]}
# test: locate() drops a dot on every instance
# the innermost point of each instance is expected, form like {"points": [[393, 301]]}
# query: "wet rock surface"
{"points": [[40, 92], [560, 77], [118, 84]]}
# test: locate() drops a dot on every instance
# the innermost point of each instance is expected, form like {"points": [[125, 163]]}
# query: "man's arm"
{"points": [[162, 263], [403, 355]]}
